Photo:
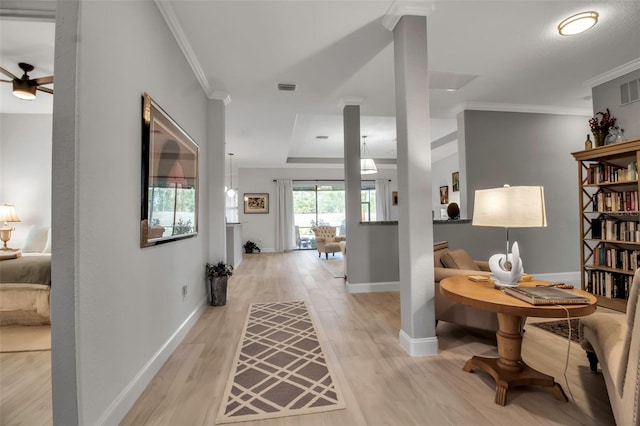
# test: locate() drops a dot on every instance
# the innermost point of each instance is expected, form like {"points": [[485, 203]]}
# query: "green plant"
{"points": [[219, 269], [250, 246]]}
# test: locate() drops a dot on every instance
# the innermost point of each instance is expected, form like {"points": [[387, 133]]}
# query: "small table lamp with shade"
{"points": [[509, 207], [7, 214]]}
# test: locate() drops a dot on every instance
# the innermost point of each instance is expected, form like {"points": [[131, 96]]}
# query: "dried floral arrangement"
{"points": [[607, 120]]}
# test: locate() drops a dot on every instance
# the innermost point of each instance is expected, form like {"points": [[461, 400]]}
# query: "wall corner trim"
{"points": [[398, 9], [350, 100], [418, 347]]}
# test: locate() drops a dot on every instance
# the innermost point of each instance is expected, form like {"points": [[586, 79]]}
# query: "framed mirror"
{"points": [[169, 206]]}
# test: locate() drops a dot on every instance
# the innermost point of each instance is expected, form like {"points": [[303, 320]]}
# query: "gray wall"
{"points": [[523, 149], [25, 170], [118, 310], [607, 95], [441, 174]]}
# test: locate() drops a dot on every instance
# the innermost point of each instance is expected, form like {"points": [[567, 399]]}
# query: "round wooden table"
{"points": [[509, 370]]}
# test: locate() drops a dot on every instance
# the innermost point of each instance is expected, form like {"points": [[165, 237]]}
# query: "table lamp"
{"points": [[509, 207], [7, 214]]}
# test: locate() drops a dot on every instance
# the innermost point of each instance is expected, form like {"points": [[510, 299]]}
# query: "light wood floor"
{"points": [[382, 384]]}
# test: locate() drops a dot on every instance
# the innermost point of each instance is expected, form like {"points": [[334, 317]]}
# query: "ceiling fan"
{"points": [[25, 87]]}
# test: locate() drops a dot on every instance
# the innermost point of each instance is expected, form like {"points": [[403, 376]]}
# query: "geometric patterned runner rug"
{"points": [[560, 328], [280, 369]]}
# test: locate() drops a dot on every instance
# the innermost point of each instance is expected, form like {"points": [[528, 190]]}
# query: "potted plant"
{"points": [[250, 247], [218, 275], [600, 128]]}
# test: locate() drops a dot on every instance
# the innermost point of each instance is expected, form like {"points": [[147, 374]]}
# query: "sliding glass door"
{"points": [[315, 204]]}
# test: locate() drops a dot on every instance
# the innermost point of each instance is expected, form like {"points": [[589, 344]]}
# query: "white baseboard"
{"points": [[418, 347], [572, 278], [125, 400], [373, 287]]}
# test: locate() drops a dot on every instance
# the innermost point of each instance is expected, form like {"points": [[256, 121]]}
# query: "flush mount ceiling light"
{"points": [[578, 23]]}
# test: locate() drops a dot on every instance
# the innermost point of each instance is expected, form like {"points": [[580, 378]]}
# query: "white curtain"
{"points": [[285, 227], [383, 200]]}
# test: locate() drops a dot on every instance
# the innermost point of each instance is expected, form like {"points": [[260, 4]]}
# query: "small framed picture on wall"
{"points": [[455, 181], [444, 195], [256, 203]]}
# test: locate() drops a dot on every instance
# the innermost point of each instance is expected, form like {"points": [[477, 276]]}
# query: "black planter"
{"points": [[218, 287]]}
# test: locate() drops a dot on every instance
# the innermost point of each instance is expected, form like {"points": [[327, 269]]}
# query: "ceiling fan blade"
{"points": [[45, 89], [7, 81], [43, 80], [8, 73]]}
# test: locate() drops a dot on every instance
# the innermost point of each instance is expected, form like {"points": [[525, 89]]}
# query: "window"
{"points": [[368, 202], [231, 208], [317, 203]]}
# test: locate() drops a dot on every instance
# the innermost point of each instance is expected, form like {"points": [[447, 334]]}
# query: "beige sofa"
{"points": [[611, 340], [451, 263]]}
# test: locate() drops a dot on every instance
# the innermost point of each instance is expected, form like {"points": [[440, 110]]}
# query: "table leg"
{"points": [[509, 370]]}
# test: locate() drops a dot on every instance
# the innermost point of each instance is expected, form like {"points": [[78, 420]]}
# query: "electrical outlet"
{"points": [[185, 290]]}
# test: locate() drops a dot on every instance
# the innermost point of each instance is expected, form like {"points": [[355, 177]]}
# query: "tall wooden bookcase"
{"points": [[609, 220]]}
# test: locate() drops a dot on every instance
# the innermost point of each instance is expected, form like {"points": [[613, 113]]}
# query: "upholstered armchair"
{"points": [[613, 341], [451, 263], [326, 240]]}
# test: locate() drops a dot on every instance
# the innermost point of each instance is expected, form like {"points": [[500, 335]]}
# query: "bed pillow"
{"points": [[459, 259], [36, 240], [47, 246]]}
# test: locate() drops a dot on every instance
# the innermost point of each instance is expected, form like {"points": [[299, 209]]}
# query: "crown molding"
{"points": [[614, 73], [28, 10], [166, 10], [398, 9], [532, 109], [220, 95], [350, 100]]}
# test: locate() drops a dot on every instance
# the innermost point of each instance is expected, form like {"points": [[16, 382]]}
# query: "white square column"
{"points": [[417, 334]]}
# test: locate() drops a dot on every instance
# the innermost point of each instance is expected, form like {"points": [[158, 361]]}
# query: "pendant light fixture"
{"points": [[367, 165], [230, 192]]}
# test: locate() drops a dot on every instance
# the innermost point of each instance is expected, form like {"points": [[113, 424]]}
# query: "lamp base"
{"points": [[8, 249], [507, 269]]}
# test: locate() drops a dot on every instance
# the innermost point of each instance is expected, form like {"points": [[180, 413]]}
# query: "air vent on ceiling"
{"points": [[287, 87], [630, 92], [322, 137]]}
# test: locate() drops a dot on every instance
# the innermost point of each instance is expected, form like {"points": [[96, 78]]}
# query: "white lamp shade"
{"points": [[510, 207], [8, 213]]}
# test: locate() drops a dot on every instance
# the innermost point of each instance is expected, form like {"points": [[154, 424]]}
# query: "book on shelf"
{"points": [[546, 296]]}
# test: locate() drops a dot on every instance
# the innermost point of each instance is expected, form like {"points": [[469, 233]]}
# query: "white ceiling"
{"points": [[337, 49]]}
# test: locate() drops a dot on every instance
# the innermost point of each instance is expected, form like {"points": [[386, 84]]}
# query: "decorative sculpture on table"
{"points": [[507, 269], [509, 207]]}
